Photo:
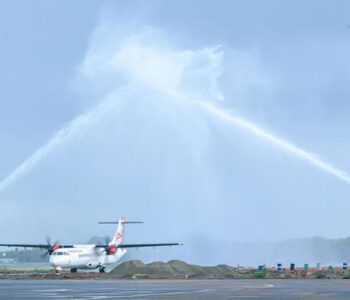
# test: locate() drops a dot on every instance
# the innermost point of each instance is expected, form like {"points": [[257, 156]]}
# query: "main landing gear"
{"points": [[73, 270], [102, 269]]}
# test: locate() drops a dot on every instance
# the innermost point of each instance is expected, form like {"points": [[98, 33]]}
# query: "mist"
{"points": [[213, 141]]}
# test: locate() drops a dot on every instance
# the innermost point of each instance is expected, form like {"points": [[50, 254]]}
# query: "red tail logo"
{"points": [[119, 237]]}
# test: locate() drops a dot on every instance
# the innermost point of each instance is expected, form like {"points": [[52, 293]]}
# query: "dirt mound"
{"points": [[173, 268], [129, 267]]}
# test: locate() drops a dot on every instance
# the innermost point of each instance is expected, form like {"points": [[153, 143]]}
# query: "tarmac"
{"points": [[175, 289]]}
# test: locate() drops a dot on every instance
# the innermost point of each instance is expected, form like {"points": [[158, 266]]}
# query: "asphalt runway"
{"points": [[175, 289]]}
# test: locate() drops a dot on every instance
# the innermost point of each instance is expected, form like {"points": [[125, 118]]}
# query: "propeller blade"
{"points": [[50, 246]]}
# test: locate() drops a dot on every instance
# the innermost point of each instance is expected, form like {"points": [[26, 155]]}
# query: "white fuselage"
{"points": [[83, 257]]}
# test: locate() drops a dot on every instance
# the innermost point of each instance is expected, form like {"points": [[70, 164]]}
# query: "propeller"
{"points": [[50, 247], [106, 242], [110, 249]]}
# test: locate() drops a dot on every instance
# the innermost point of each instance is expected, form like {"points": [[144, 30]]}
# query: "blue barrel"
{"points": [[292, 267], [279, 267], [345, 266], [261, 268]]}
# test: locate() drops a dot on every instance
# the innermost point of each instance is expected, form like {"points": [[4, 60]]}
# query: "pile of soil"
{"points": [[174, 268]]}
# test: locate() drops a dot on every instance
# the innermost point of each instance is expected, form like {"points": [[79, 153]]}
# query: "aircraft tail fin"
{"points": [[118, 238]]}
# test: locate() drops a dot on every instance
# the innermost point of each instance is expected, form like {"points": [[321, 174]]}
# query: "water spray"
{"points": [[254, 129], [59, 138], [148, 66]]}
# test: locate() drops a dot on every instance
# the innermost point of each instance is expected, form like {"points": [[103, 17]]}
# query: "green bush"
{"points": [[260, 274]]}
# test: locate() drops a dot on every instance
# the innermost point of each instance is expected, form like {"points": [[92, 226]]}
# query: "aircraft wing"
{"points": [[40, 246], [148, 245], [141, 245]]}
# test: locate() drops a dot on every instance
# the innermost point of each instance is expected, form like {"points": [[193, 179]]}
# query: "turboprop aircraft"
{"points": [[90, 256]]}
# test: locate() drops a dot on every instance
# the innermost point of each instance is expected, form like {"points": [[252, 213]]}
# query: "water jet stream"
{"points": [[84, 120], [61, 136], [224, 115]]}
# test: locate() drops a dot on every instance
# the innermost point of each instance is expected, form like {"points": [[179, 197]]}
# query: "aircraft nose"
{"points": [[54, 260]]}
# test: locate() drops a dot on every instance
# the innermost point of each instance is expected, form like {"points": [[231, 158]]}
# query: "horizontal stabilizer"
{"points": [[125, 222], [142, 245]]}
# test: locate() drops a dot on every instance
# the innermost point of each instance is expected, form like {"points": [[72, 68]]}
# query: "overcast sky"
{"points": [[102, 92]]}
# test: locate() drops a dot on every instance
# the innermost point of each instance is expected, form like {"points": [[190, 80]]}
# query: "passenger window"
{"points": [[59, 253]]}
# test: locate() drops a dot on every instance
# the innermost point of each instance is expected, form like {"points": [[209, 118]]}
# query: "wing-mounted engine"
{"points": [[111, 249], [53, 248]]}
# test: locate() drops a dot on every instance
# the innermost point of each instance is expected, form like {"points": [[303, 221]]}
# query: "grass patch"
{"points": [[259, 274]]}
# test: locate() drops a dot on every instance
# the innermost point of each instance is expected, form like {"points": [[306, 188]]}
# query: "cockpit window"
{"points": [[61, 253]]}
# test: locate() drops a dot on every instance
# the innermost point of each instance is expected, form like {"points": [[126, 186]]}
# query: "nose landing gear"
{"points": [[102, 269]]}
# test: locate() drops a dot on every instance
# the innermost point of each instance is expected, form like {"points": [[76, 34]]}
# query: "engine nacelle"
{"points": [[112, 249], [55, 247]]}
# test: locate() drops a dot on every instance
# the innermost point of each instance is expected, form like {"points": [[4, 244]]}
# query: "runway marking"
{"points": [[55, 290], [177, 293], [147, 295], [244, 296], [265, 285]]}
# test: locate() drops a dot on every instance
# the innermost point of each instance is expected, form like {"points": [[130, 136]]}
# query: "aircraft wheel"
{"points": [[102, 270], [73, 270]]}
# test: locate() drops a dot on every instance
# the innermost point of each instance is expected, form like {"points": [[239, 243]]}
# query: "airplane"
{"points": [[90, 256]]}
